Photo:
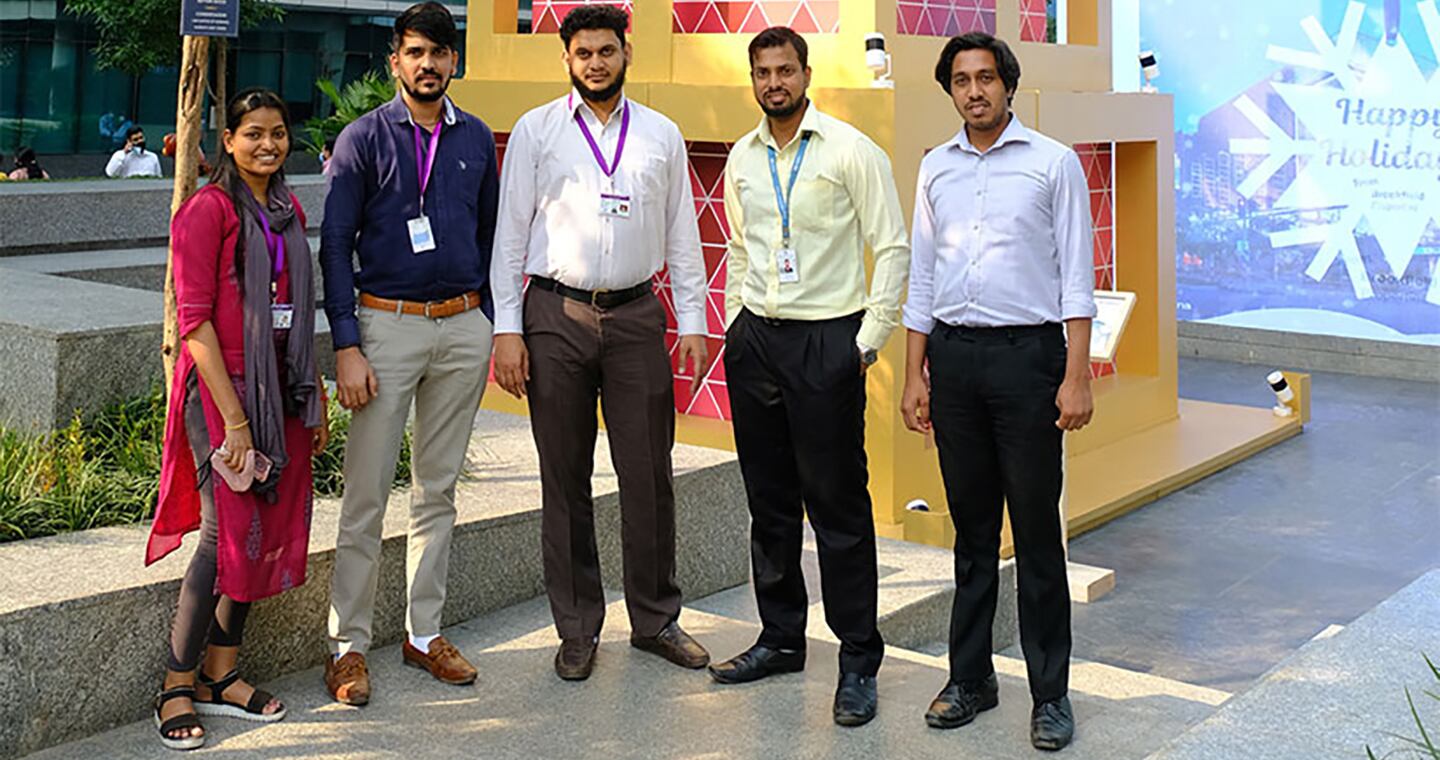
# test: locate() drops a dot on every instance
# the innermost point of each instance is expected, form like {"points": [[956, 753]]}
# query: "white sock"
{"points": [[423, 642]]}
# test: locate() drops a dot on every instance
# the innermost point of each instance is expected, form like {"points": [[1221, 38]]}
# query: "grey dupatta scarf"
{"points": [[266, 401]]}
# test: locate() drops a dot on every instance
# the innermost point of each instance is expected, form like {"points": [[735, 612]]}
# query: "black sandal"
{"points": [[217, 705], [186, 721]]}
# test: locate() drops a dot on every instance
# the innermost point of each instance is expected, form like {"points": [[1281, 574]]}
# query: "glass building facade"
{"points": [[55, 100]]}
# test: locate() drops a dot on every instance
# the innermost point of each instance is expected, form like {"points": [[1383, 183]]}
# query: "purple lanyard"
{"points": [[276, 243], [428, 161], [609, 168]]}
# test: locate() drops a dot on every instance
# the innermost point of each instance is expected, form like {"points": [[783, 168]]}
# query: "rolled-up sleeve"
{"points": [[196, 234], [919, 305], [344, 205], [1073, 245]]}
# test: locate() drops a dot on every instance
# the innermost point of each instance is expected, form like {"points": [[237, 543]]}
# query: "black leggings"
{"points": [[204, 614]]}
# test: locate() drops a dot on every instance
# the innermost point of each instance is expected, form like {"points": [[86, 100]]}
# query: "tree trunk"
{"points": [[222, 96], [193, 64]]}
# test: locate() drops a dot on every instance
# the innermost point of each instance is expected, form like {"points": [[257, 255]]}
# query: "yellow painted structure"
{"points": [[1144, 442]]}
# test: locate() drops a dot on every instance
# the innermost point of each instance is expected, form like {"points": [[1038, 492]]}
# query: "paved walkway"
{"points": [[638, 706]]}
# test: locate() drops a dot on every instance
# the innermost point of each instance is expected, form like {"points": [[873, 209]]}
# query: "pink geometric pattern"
{"points": [[1098, 160], [1033, 17], [752, 16], [707, 170], [945, 18], [547, 15]]}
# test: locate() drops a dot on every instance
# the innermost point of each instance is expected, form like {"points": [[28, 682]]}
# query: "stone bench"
{"points": [[73, 345], [84, 626]]}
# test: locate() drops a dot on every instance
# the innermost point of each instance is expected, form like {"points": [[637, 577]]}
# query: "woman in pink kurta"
{"points": [[244, 380]]}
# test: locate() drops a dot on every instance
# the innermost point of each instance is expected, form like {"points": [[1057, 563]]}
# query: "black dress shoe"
{"points": [[756, 663], [959, 702], [855, 699], [1052, 724], [675, 645], [575, 659]]}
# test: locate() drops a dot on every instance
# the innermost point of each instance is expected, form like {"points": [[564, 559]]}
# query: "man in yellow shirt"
{"points": [[805, 194]]}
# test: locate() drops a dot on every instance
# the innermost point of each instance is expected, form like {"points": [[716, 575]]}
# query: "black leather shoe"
{"points": [[959, 703], [575, 659], [756, 663], [1052, 724], [855, 700]]}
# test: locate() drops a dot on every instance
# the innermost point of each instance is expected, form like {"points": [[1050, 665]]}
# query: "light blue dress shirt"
{"points": [[1001, 238]]}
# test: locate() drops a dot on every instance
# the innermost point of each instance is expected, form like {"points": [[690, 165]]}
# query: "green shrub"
{"points": [[107, 471]]}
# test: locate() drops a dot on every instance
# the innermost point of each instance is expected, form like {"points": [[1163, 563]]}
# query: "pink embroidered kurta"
{"points": [[261, 548]]}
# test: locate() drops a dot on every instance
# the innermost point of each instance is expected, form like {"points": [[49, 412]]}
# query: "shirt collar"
{"points": [[576, 104], [401, 112], [1014, 132], [810, 122]]}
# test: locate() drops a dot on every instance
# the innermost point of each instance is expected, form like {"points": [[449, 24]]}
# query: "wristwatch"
{"points": [[868, 356]]}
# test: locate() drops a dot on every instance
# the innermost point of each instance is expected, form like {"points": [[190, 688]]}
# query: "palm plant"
{"points": [[356, 99]]}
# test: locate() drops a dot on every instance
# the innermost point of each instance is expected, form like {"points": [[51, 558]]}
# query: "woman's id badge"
{"points": [[282, 315], [421, 238]]}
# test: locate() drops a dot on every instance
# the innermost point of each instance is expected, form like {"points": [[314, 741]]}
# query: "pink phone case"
{"points": [[256, 467]]}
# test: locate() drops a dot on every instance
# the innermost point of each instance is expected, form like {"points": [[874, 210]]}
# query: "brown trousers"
{"points": [[579, 351]]}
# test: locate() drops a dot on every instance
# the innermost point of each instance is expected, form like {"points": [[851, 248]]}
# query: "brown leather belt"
{"points": [[430, 309]]}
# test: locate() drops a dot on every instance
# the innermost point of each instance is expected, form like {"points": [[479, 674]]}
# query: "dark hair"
{"points": [[588, 17], [430, 20], [226, 175], [330, 143], [132, 130], [1006, 64], [780, 36], [25, 159]]}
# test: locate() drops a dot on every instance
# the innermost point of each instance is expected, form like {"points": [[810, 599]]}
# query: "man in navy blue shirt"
{"points": [[413, 197]]}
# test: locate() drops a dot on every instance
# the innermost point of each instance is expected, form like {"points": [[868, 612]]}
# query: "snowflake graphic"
{"points": [[1373, 150]]}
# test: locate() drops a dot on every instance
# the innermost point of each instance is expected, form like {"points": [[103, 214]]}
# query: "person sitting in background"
{"points": [[27, 166], [133, 160], [167, 148]]}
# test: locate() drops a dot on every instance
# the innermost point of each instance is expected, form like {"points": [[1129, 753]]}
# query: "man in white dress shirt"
{"points": [[133, 160], [1001, 257], [595, 199]]}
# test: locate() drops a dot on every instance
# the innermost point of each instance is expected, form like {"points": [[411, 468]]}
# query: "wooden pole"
{"points": [[222, 96], [195, 53]]}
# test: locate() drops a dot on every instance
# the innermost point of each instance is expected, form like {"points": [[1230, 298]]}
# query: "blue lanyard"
{"points": [[783, 199]]}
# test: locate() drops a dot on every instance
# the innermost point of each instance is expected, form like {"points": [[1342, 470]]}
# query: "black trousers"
{"points": [[992, 399], [797, 400]]}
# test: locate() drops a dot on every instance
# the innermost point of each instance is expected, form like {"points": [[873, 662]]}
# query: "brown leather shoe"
{"points": [[575, 659], [675, 645], [444, 662], [348, 679]]}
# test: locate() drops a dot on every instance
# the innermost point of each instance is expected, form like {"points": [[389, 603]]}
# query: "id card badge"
{"points": [[617, 206], [788, 265], [422, 239], [282, 315]]}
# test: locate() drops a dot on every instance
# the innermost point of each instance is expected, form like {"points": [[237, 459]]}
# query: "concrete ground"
{"points": [[1218, 582], [638, 706]]}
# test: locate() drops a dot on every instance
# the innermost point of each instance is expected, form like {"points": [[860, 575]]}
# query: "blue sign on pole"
{"points": [[210, 18]]}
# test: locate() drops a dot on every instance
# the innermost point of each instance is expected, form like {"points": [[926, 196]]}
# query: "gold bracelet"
{"points": [[239, 426]]}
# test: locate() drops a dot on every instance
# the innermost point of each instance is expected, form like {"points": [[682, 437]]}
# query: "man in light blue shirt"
{"points": [[1001, 257]]}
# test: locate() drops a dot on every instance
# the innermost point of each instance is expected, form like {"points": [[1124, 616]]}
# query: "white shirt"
{"points": [[126, 163], [550, 222], [1001, 238]]}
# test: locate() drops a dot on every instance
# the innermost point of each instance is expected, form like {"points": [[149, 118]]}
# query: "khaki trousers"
{"points": [[440, 365]]}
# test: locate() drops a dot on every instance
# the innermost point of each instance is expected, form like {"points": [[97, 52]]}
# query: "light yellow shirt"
{"points": [[844, 199]]}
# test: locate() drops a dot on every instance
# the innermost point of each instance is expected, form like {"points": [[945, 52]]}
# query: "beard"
{"points": [[604, 93], [426, 97], [1000, 115], [785, 111]]}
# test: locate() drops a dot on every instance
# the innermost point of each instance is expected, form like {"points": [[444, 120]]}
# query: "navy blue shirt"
{"points": [[375, 191]]}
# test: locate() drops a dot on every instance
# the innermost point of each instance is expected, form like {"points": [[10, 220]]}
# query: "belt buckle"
{"points": [[595, 297], [428, 304]]}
